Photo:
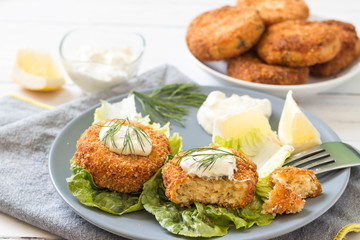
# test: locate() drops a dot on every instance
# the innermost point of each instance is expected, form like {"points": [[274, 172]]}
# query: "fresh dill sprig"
{"points": [[208, 160], [115, 126], [167, 102]]}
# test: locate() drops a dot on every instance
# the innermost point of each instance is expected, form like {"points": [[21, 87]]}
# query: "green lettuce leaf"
{"points": [[147, 121], [175, 142], [122, 109], [265, 150], [263, 188], [275, 161], [199, 220], [247, 144], [126, 108], [82, 186]]}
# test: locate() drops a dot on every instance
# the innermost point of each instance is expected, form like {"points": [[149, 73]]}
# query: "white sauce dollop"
{"points": [[223, 167], [217, 105], [119, 141]]}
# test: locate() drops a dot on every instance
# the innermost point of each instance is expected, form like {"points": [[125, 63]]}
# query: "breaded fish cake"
{"points": [[299, 43], [275, 11], [283, 200], [249, 67], [183, 189], [120, 173], [350, 50], [291, 186], [302, 181], [223, 33]]}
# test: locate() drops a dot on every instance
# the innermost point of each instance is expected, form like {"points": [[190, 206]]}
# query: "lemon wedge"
{"points": [[238, 124], [35, 69], [295, 128]]}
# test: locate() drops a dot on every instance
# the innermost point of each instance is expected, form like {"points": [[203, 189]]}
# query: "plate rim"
{"points": [[346, 172]]}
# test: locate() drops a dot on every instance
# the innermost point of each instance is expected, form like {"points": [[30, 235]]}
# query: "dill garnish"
{"points": [[208, 159], [115, 126], [167, 102]]}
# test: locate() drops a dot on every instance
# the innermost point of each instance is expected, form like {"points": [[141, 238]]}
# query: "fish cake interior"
{"points": [[183, 189]]}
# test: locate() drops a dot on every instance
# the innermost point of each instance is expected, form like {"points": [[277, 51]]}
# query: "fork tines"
{"points": [[310, 158]]}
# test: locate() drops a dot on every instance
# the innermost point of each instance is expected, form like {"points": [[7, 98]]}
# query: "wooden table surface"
{"points": [[42, 23]]}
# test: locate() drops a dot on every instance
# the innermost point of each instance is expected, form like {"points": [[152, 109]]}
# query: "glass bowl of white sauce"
{"points": [[100, 58]]}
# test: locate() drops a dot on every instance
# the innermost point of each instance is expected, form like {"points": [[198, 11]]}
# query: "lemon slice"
{"points": [[295, 128], [238, 124], [36, 70]]}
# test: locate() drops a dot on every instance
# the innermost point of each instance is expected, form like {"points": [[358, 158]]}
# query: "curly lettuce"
{"points": [[81, 185], [199, 220]]}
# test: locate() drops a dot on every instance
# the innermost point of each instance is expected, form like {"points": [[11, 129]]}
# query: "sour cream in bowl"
{"points": [[96, 59]]}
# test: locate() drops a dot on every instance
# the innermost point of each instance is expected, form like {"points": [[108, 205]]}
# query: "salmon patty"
{"points": [[183, 189], [223, 33], [121, 173], [350, 50], [275, 11], [299, 43], [249, 67]]}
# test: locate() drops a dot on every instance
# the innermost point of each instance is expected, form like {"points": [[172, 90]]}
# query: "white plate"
{"points": [[313, 85], [142, 225]]}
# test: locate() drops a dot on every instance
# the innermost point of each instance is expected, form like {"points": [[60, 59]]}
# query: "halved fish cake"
{"points": [[183, 189], [302, 181], [281, 200], [291, 186]]}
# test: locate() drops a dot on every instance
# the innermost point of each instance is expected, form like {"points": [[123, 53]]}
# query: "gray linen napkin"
{"points": [[12, 110], [26, 191]]}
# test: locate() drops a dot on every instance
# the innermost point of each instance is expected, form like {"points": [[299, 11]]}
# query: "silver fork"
{"points": [[326, 157]]}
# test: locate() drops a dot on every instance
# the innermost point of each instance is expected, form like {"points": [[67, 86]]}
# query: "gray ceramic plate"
{"points": [[142, 225]]}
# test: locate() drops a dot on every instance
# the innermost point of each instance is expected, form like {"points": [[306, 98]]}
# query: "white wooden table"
{"points": [[42, 23]]}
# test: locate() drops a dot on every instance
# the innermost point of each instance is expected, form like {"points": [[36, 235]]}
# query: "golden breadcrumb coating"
{"points": [[291, 186], [223, 33], [299, 43], [249, 67], [185, 190], [283, 200], [275, 11], [115, 172], [350, 50], [302, 181]]}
